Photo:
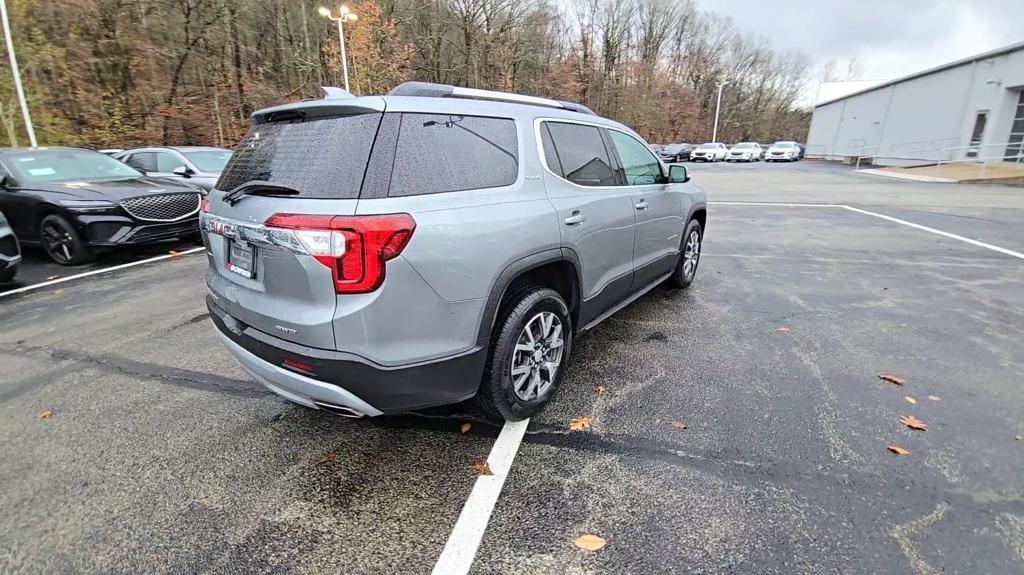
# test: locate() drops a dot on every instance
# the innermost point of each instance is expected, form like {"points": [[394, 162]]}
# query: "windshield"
{"points": [[39, 166], [743, 146], [209, 160], [707, 146], [782, 145], [675, 147]]}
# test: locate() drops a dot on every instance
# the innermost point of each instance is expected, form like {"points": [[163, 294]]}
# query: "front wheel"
{"points": [[686, 269], [62, 242], [532, 342]]}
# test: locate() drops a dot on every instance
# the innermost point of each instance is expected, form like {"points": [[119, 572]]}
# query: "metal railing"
{"points": [[983, 163]]}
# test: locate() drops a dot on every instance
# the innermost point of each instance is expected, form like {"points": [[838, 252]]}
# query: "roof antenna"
{"points": [[335, 93]]}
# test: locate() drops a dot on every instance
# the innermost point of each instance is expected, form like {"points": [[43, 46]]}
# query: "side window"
{"points": [[167, 162], [550, 154], [638, 163], [144, 161], [581, 154], [450, 153]]}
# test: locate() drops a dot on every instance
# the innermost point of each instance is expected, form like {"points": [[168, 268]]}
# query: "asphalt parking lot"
{"points": [[738, 427]]}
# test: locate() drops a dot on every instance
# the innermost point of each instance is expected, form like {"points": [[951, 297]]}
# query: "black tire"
{"points": [[8, 274], [62, 242], [497, 396], [683, 275]]}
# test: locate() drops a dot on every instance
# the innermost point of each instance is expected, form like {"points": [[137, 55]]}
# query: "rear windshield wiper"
{"points": [[258, 188]]}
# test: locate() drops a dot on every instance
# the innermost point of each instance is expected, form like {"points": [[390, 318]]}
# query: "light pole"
{"points": [[17, 74], [344, 14], [718, 108]]}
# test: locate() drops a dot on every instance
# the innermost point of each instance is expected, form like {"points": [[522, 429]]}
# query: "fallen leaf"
{"points": [[590, 542], [909, 399], [884, 289], [934, 398], [46, 414], [174, 253], [57, 291], [783, 329], [678, 424], [599, 389], [465, 427], [481, 468], [48, 278], [1019, 437], [899, 450], [892, 379], [327, 458], [580, 423], [913, 423], [657, 420]]}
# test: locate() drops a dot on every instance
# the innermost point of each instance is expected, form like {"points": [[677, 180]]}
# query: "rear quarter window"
{"points": [[321, 158], [438, 153]]}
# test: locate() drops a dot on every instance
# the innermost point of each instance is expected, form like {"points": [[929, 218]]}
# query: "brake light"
{"points": [[355, 248]]}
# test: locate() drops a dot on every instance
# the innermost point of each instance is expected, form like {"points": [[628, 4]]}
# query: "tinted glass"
{"points": [[167, 162], [782, 145], [550, 155], [67, 166], [581, 154], [743, 146], [638, 163], [145, 161], [322, 158], [707, 147], [209, 160], [449, 153]]}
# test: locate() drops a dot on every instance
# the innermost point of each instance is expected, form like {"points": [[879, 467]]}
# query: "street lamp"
{"points": [[718, 107], [17, 75], [344, 15]]}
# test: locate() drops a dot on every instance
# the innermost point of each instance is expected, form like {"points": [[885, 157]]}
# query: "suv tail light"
{"points": [[355, 248]]}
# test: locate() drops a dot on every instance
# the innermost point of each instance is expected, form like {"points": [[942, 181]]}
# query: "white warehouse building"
{"points": [[971, 109]]}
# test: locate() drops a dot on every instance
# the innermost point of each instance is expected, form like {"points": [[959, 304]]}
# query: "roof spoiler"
{"points": [[428, 89]]}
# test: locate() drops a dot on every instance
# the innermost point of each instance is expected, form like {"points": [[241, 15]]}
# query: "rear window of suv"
{"points": [[450, 153], [321, 158]]}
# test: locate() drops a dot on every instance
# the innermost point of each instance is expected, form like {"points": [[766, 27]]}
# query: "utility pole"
{"points": [[718, 108], [17, 75]]}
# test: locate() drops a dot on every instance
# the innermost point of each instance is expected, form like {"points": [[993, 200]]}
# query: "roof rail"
{"points": [[446, 91]]}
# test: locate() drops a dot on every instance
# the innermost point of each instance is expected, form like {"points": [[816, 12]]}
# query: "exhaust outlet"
{"points": [[339, 410]]}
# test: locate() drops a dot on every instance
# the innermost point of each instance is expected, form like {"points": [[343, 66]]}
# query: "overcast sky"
{"points": [[889, 38]]}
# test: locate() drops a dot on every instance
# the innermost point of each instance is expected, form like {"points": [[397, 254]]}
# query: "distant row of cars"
{"points": [[782, 151], [74, 201]]}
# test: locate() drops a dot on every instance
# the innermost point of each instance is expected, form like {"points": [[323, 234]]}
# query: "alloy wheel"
{"points": [[691, 254], [537, 356], [58, 242]]}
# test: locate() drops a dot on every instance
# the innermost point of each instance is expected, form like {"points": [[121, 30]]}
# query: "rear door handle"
{"points": [[575, 218], [641, 205]]}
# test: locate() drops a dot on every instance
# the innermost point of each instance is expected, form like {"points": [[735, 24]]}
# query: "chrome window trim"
{"points": [[257, 234]]}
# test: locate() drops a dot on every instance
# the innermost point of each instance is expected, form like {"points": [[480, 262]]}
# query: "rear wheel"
{"points": [[686, 269], [529, 354], [8, 274], [62, 242]]}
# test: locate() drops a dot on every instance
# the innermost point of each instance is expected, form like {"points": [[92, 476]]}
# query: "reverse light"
{"points": [[355, 248]]}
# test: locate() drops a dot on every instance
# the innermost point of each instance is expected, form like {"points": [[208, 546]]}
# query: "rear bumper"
{"points": [[347, 379]]}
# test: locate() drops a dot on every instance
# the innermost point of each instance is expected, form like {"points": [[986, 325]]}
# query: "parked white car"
{"points": [[745, 152], [710, 152], [783, 152]]}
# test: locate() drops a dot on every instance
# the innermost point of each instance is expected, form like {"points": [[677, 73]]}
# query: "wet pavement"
{"points": [[161, 455]]}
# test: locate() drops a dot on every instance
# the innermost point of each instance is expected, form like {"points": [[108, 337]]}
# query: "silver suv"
{"points": [[380, 254]]}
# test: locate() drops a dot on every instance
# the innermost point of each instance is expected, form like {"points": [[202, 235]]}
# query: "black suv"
{"points": [[71, 200]]}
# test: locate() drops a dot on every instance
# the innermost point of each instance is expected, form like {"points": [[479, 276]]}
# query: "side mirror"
{"points": [[183, 171], [678, 174]]}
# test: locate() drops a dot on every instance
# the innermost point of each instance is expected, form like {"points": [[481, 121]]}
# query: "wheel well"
{"points": [[560, 276], [701, 216]]}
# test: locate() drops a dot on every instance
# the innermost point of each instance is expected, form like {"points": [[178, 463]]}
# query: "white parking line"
{"points": [[460, 550], [95, 272], [884, 217]]}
